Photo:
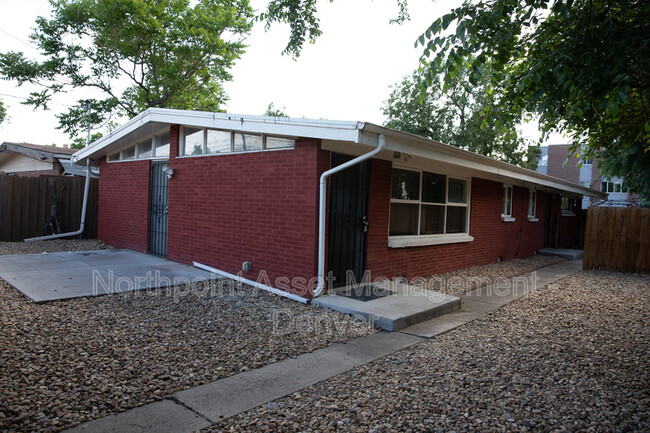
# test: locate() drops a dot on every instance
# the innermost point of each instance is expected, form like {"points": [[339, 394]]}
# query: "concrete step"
{"points": [[405, 306]]}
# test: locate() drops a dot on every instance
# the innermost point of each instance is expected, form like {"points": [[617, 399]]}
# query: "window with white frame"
{"points": [[204, 141], [543, 161], [532, 203], [613, 186], [506, 210], [155, 146], [424, 203]]}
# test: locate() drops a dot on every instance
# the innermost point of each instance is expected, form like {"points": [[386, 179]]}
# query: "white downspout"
{"points": [[381, 141], [251, 282], [82, 225]]}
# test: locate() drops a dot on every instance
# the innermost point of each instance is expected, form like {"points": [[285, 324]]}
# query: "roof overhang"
{"points": [[155, 119], [352, 137]]}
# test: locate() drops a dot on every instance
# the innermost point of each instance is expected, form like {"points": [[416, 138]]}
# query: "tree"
{"points": [[271, 110], [137, 54], [301, 16], [456, 116], [582, 66], [3, 112]]}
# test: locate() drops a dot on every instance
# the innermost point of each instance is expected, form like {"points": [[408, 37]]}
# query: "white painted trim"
{"points": [[532, 219], [446, 204], [425, 240], [508, 219]]}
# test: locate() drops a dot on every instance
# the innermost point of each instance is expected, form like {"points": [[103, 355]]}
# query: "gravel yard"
{"points": [[51, 246], [464, 280], [572, 356], [71, 361]]}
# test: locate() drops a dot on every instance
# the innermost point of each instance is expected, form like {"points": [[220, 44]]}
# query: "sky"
{"points": [[345, 75]]}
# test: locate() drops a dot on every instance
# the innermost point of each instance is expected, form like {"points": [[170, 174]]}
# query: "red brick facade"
{"points": [[493, 238], [557, 155], [123, 217], [260, 207]]}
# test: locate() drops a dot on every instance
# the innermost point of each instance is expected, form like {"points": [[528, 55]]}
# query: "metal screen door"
{"points": [[348, 222], [158, 206]]}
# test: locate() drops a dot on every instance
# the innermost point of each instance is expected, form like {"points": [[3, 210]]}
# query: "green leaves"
{"points": [[579, 65], [3, 112], [462, 110], [174, 54]]}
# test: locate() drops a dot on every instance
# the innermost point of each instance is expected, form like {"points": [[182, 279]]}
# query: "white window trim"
{"points": [[532, 203], [231, 151], [401, 241], [507, 217], [424, 240], [137, 156]]}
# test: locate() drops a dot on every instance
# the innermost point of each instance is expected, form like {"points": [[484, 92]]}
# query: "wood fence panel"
{"points": [[643, 260], [617, 239], [26, 204]]}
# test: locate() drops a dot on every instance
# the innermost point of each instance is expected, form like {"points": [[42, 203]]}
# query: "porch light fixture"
{"points": [[169, 172]]}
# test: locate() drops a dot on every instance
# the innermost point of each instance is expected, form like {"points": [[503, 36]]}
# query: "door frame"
{"points": [[357, 178], [158, 231]]}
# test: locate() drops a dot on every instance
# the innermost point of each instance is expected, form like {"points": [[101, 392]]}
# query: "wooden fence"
{"points": [[26, 205], [617, 239]]}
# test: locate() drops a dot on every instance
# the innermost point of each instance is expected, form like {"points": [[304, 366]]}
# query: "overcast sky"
{"points": [[344, 76]]}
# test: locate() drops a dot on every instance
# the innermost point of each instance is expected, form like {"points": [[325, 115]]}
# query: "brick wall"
{"points": [[259, 207], [492, 237], [557, 154], [123, 216]]}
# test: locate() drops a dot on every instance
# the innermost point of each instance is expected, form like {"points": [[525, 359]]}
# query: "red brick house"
{"points": [[242, 192]]}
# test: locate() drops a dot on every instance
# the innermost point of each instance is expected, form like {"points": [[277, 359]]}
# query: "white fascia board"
{"points": [[426, 148], [307, 128], [120, 132]]}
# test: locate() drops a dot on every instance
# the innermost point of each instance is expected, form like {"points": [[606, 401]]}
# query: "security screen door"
{"points": [[348, 222], [158, 206]]}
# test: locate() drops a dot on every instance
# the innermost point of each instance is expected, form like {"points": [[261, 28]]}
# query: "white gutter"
{"points": [[82, 224], [381, 142], [251, 283]]}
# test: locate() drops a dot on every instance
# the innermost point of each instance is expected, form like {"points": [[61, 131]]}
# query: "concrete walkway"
{"points": [[196, 408], [56, 276]]}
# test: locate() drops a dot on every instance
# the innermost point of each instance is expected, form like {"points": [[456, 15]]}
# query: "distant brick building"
{"points": [[557, 161]]}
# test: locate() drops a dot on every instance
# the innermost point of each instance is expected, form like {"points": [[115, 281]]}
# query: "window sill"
{"points": [[567, 213], [507, 219], [532, 219], [423, 241]]}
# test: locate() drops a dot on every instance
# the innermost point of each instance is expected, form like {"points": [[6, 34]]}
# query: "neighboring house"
{"points": [[557, 161], [24, 159], [242, 192]]}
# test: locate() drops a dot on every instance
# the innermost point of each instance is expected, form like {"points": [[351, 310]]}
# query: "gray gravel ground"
{"points": [[572, 356], [464, 280], [67, 362], [51, 246]]}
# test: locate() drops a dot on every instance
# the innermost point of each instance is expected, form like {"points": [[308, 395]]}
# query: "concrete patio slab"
{"points": [[161, 417], [56, 276], [407, 306]]}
